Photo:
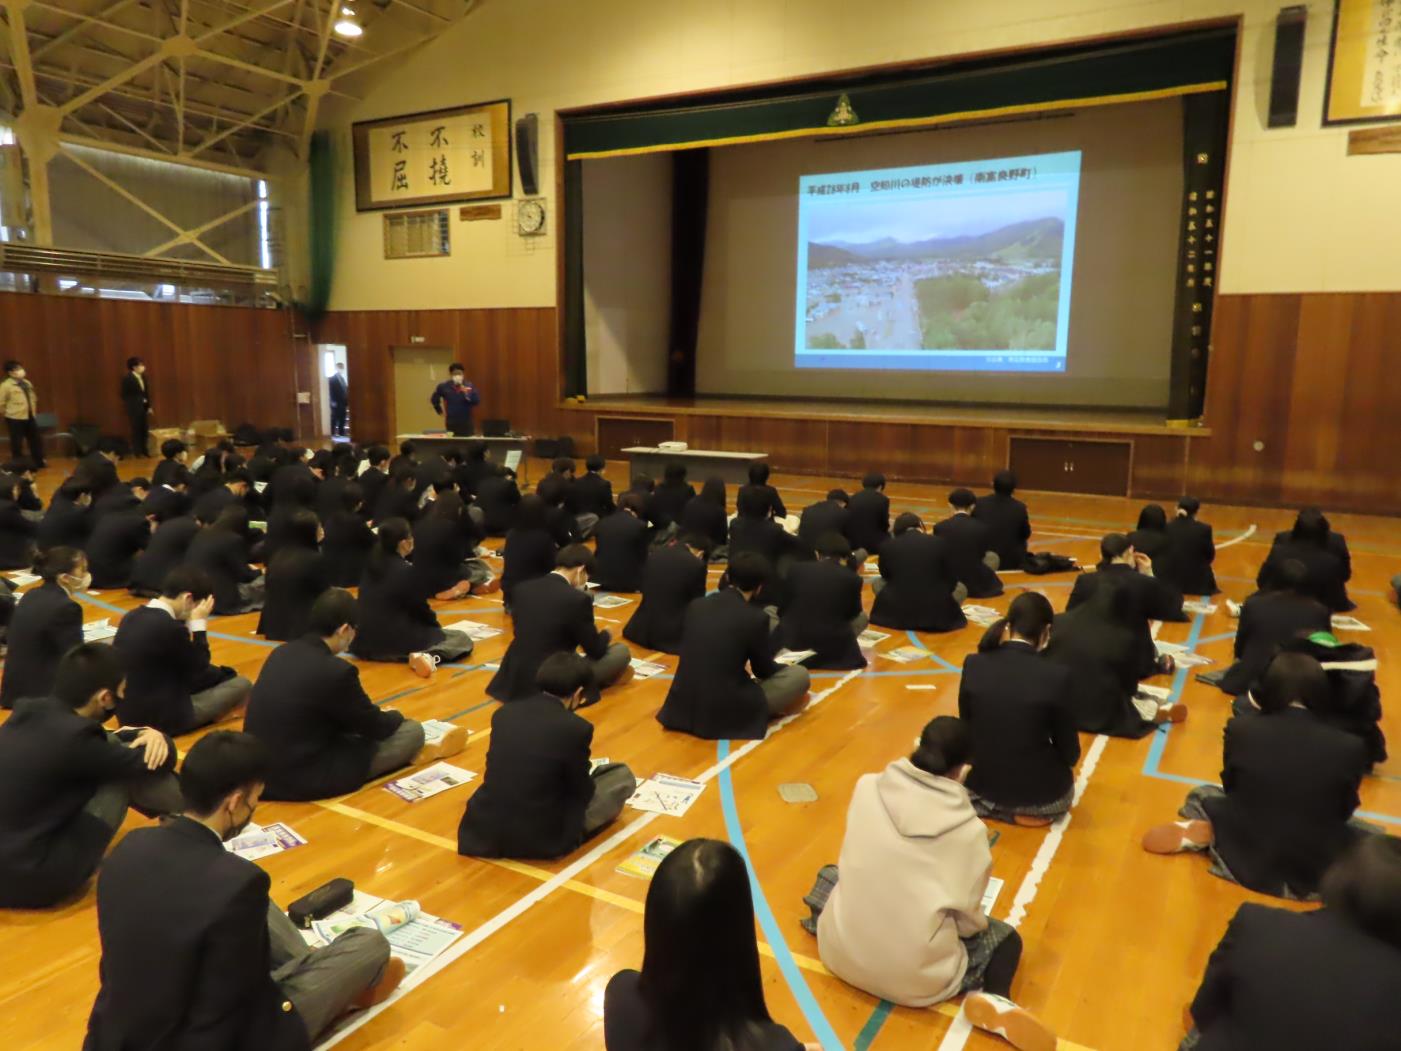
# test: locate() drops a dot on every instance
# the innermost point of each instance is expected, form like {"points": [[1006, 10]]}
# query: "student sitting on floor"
{"points": [[1324, 554], [195, 953], [1193, 550], [324, 735], [396, 623], [725, 648], [1352, 702], [558, 521], [868, 528], [45, 625], [172, 497], [902, 917], [220, 552], [170, 682], [1268, 620], [348, 541], [553, 614], [1017, 706], [1289, 785], [22, 467], [669, 501], [918, 587], [175, 454], [117, 538], [1327, 978], [708, 516], [66, 784], [759, 483], [1098, 641], [623, 542], [822, 608], [167, 550], [232, 488], [826, 516], [17, 531], [529, 551], [591, 493], [374, 476], [445, 540], [538, 797], [1009, 527], [1150, 538], [970, 547], [700, 985], [121, 496], [675, 576], [754, 531], [398, 497], [1121, 567], [69, 519], [297, 577], [498, 497]]}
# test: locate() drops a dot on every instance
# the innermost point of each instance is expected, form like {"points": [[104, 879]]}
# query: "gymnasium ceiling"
{"points": [[214, 81]]}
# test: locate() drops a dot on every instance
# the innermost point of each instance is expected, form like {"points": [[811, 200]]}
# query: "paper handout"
{"points": [[666, 794], [429, 781]]}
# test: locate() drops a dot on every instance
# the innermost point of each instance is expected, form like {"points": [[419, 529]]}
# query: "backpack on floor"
{"points": [[1040, 565]]}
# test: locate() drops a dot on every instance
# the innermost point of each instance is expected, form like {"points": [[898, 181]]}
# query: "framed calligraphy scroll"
{"points": [[1364, 63], [446, 155]]}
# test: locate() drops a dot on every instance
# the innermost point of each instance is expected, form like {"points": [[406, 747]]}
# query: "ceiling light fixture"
{"points": [[346, 26]]}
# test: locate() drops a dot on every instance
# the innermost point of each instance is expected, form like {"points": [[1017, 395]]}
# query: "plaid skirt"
{"points": [[987, 809]]}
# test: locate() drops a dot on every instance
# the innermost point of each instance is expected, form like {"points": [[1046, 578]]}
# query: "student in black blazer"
{"points": [[498, 497], [398, 497], [373, 478], [868, 528], [669, 499], [17, 531], [474, 467], [1286, 979], [1289, 786], [116, 540], [538, 797], [708, 516], [558, 520], [1192, 549], [294, 479], [591, 493], [622, 543], [1009, 526], [759, 483], [824, 517], [1323, 553], [297, 577], [396, 622], [754, 531], [66, 784], [1150, 538], [1123, 568], [136, 400], [323, 734], [724, 639], [970, 547], [445, 540], [1016, 704], [234, 487], [822, 608], [169, 545], [349, 540], [194, 955], [27, 499], [918, 588], [99, 468], [530, 548], [45, 625], [1268, 621], [221, 553], [554, 614], [69, 519], [171, 498], [674, 577], [170, 682], [175, 454]]}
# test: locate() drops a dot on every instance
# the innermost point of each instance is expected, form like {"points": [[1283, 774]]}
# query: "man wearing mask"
{"points": [[453, 400], [136, 400], [195, 953], [18, 401]]}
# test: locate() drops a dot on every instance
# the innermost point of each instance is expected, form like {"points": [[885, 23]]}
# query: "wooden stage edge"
{"points": [[989, 416]]}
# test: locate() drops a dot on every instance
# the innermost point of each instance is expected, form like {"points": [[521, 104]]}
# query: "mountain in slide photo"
{"points": [[1034, 239]]}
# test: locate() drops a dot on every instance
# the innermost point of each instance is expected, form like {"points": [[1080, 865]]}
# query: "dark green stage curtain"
{"points": [[321, 224], [576, 371], [690, 200]]}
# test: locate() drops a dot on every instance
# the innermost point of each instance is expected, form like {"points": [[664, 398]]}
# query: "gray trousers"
{"points": [[322, 983], [585, 524], [785, 688], [398, 749], [213, 704], [455, 646], [613, 785], [960, 591], [608, 668], [252, 595], [152, 794], [860, 622], [477, 515]]}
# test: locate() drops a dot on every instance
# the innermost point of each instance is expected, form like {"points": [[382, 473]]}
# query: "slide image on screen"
{"points": [[954, 267]]}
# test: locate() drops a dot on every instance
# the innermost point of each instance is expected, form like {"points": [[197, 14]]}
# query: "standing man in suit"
{"points": [[340, 400], [136, 400], [19, 401], [538, 797], [970, 547], [66, 784], [1009, 526], [454, 400], [195, 953]]}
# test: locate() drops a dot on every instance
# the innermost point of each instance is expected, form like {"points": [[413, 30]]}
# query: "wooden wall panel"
{"points": [[228, 363]]}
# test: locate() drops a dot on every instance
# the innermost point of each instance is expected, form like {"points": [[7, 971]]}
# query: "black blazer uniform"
{"points": [[320, 727], [1017, 706], [536, 787], [1327, 572], [440, 548], [169, 545], [214, 500], [165, 664], [1104, 657], [17, 537], [919, 581], [713, 695], [395, 501], [296, 579], [1192, 551], [185, 952], [621, 555], [286, 479], [52, 760], [822, 599], [672, 580], [1291, 784], [330, 495], [223, 555], [100, 472], [590, 494], [45, 625], [395, 618], [868, 527], [707, 519], [497, 496], [969, 540], [1145, 598], [1283, 979], [1009, 527], [760, 536], [770, 496], [821, 518], [527, 555], [166, 471], [346, 548], [1268, 620], [64, 524], [549, 616], [116, 540], [136, 397], [167, 502], [371, 481], [666, 503]]}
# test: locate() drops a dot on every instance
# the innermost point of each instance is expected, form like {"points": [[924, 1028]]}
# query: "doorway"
{"points": [[331, 358], [417, 370]]}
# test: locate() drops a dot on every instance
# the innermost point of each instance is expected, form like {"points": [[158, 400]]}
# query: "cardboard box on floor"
{"points": [[204, 434]]}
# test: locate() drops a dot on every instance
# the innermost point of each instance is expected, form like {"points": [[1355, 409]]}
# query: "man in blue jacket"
{"points": [[453, 399]]}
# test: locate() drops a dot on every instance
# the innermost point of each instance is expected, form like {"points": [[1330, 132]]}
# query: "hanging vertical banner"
{"points": [[12, 210], [459, 154]]}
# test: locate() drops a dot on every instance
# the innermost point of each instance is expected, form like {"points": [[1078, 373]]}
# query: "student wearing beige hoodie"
{"points": [[904, 922]]}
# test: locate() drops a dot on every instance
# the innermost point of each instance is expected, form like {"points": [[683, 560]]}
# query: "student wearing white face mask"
{"points": [[19, 403], [46, 624]]}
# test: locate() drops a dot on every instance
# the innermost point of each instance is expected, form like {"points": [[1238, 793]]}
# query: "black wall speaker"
{"points": [[1288, 66], [528, 153]]}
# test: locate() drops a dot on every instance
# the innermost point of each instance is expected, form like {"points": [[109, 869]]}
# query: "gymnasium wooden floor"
{"points": [[1115, 939]]}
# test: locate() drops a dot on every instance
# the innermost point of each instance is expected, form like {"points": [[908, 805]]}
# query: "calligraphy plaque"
{"points": [[1364, 63], [437, 157]]}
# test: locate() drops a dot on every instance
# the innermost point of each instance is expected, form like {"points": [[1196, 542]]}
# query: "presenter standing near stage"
{"points": [[136, 400], [453, 399]]}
